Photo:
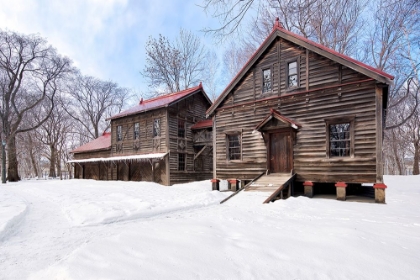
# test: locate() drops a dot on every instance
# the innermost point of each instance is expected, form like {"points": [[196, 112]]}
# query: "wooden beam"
{"points": [[379, 133], [199, 153]]}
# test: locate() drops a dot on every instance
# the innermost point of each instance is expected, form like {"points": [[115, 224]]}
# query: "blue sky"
{"points": [[105, 38]]}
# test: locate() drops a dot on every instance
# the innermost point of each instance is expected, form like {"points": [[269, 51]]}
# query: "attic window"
{"points": [[136, 131], [267, 83], [292, 74], [156, 127], [119, 133]]}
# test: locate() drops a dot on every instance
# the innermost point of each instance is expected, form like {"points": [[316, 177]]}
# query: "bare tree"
{"points": [[174, 66], [29, 71], [90, 101]]}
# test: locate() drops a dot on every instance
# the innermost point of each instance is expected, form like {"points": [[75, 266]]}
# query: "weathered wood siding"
{"points": [[322, 95], [190, 110], [147, 143]]}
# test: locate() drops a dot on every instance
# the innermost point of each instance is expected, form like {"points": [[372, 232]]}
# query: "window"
{"points": [[136, 133], [119, 133], [340, 140], [181, 128], [156, 127], [292, 74], [266, 85], [234, 146], [181, 162]]}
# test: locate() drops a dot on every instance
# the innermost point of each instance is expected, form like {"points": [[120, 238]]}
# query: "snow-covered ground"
{"points": [[85, 229]]}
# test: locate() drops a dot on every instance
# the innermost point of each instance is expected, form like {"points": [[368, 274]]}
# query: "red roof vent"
{"points": [[277, 24], [141, 101]]}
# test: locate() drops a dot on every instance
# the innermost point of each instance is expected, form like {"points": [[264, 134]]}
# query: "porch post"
{"points": [[215, 184]]}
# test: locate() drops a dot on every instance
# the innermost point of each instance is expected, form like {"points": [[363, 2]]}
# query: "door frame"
{"points": [[290, 133]]}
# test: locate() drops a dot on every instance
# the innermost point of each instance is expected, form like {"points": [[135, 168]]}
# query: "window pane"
{"points": [[340, 139], [293, 81], [181, 162], [119, 133], [181, 128], [234, 147], [266, 80], [136, 131], [156, 127], [292, 68]]}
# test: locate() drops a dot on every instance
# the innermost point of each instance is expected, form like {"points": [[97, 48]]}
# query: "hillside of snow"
{"points": [[85, 229]]}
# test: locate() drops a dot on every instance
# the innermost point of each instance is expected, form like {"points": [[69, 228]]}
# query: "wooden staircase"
{"points": [[278, 184]]}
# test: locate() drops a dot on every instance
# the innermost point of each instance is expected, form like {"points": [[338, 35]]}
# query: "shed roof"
{"points": [[160, 101], [203, 124], [101, 143], [279, 31]]}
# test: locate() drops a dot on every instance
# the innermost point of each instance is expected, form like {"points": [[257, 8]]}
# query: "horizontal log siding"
{"points": [[191, 110], [97, 154], [310, 110], [147, 143]]}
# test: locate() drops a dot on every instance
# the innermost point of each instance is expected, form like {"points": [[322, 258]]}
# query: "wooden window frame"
{"points": [[155, 132], [233, 133], [271, 79], [184, 166], [340, 120], [136, 131], [184, 128], [119, 133], [297, 60]]}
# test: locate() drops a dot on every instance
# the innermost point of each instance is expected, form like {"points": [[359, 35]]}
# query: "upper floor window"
{"points": [[292, 74], [181, 128], [267, 83], [136, 132], [119, 133], [234, 146], [156, 127]]}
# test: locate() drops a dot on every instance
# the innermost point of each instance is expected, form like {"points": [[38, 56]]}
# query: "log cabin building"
{"points": [[304, 112], [164, 139]]}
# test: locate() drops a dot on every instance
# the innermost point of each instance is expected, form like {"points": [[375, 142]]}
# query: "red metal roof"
{"points": [[279, 28], [158, 102], [203, 124], [101, 143]]}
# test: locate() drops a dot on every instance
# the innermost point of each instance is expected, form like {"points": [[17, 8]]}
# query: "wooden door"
{"points": [[280, 152]]}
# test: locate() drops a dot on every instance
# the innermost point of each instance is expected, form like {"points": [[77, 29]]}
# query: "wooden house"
{"points": [[302, 111], [164, 139]]}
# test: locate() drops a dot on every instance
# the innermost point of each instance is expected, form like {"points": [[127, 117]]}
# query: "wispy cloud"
{"points": [[105, 38]]}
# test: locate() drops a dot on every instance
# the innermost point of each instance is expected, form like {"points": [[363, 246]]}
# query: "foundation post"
{"points": [[215, 186], [308, 189], [233, 184], [341, 190], [379, 192]]}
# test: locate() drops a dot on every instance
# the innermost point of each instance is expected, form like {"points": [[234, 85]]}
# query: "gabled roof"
{"points": [[276, 114], [160, 101], [101, 143], [203, 124], [279, 31]]}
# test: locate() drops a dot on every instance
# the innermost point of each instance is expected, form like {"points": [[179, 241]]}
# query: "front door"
{"points": [[280, 153]]}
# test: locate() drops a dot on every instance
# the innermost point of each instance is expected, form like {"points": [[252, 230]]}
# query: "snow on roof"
{"points": [[101, 143], [203, 124], [158, 102], [132, 157]]}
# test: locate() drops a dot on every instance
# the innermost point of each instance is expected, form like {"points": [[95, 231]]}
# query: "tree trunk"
{"points": [[58, 162], [33, 162], [416, 158], [12, 170], [52, 161]]}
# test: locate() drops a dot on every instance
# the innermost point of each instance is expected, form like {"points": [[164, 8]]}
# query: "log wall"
{"points": [[328, 91]]}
